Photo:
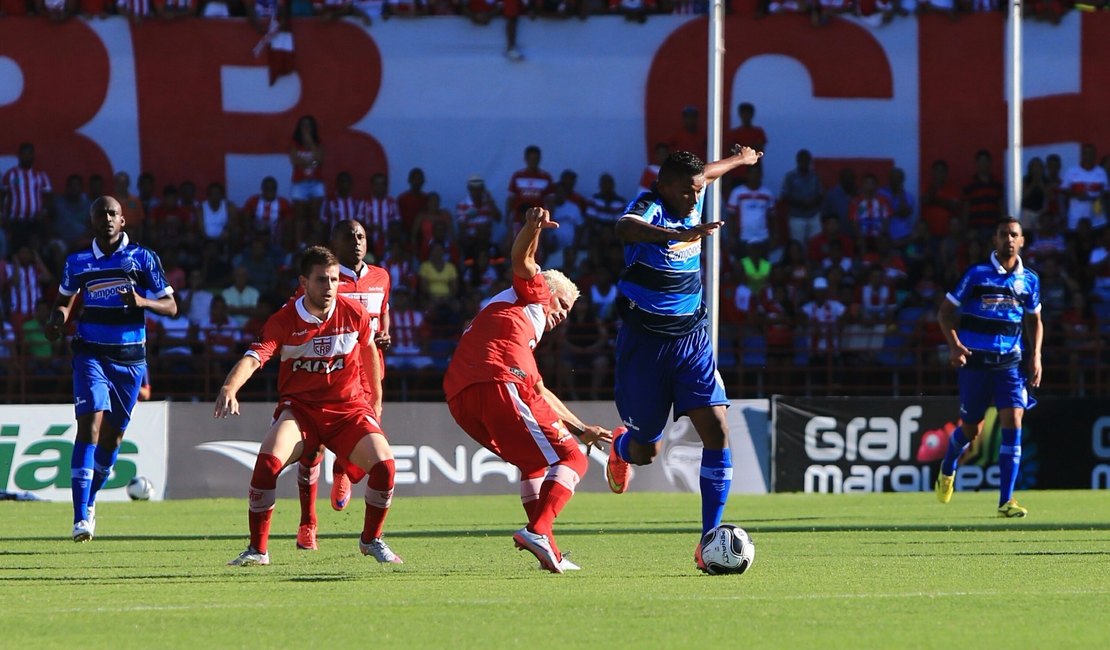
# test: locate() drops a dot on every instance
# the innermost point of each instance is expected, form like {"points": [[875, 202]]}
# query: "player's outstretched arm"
{"points": [[527, 242], [632, 229], [587, 433], [739, 156], [226, 401]]}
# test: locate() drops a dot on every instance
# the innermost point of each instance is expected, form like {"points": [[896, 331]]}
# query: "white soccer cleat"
{"points": [[380, 551], [539, 546], [84, 529], [565, 564], [250, 557]]}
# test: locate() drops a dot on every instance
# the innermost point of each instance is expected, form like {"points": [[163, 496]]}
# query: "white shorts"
{"points": [[309, 189]]}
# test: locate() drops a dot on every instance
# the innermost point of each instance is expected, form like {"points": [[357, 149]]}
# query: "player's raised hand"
{"points": [[226, 404], [957, 355], [700, 231], [540, 218], [748, 156], [591, 433]]}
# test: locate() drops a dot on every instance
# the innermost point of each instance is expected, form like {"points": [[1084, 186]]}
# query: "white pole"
{"points": [[713, 193], [1015, 123]]}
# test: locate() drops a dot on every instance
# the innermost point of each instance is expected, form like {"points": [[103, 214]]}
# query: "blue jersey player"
{"points": [[109, 349], [983, 320], [664, 355]]}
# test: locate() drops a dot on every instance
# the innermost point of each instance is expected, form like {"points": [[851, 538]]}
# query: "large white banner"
{"points": [[36, 443]]}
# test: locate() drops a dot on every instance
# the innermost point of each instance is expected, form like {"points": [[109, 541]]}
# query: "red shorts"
{"points": [[338, 430], [514, 422]]}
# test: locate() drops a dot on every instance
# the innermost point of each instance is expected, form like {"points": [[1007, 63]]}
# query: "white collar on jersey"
{"points": [[351, 272], [97, 253], [1019, 269], [307, 317]]}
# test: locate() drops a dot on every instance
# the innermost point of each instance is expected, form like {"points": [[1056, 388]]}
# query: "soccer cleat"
{"points": [[250, 557], [617, 470], [565, 564], [538, 545], [380, 550], [83, 530], [514, 54], [1011, 509], [698, 562], [944, 486], [306, 537], [340, 490]]}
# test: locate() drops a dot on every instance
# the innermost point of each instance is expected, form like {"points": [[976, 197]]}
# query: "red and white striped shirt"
{"points": [[342, 208], [268, 215], [23, 191], [406, 331], [133, 7], [402, 271], [24, 289], [380, 212]]}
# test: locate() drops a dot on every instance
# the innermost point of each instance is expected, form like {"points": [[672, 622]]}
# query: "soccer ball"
{"points": [[140, 489], [727, 549]]}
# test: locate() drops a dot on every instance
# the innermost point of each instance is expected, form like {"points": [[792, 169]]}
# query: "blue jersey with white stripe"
{"points": [[992, 304], [662, 282], [107, 327]]}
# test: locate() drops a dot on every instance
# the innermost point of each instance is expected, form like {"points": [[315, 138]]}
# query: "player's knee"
{"points": [[266, 470]]}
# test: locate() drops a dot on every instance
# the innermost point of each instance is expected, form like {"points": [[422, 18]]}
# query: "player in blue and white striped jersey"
{"points": [[664, 355], [109, 350], [984, 320]]}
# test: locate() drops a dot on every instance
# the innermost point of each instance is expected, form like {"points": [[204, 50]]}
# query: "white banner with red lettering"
{"points": [[189, 100]]}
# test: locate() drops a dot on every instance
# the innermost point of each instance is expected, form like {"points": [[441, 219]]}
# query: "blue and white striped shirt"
{"points": [[992, 304], [662, 282], [107, 326]]}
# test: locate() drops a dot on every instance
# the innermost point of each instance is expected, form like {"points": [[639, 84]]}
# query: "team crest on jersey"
{"points": [[128, 265], [1019, 285], [321, 346]]}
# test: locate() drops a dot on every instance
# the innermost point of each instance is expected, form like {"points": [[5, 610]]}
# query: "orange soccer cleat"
{"points": [[617, 470]]}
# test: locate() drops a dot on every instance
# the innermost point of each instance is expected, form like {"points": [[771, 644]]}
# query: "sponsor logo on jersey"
{"points": [[320, 366], [518, 372], [105, 289]]}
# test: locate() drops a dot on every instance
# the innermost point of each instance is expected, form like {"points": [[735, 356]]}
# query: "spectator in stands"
{"points": [[904, 207], [217, 216], [439, 279], [527, 187], [604, 208], [195, 300], [870, 214], [381, 213], [1034, 196], [24, 199], [745, 135], [146, 196], [175, 275], [941, 202], [95, 186], [633, 10], [41, 355], [820, 11], [412, 201], [818, 248], [70, 224], [26, 276], [824, 317], [585, 353], [560, 250], [756, 266], [252, 330], [875, 302], [1099, 262], [475, 211], [343, 205], [837, 259], [918, 251], [1057, 288], [176, 342], [1050, 241], [268, 215], [408, 349], [56, 10], [187, 191], [481, 12], [750, 210], [135, 10], [691, 134], [480, 274], [795, 265], [133, 213], [651, 172], [259, 262], [306, 154], [802, 194], [984, 198], [427, 222], [1054, 181], [173, 9], [173, 225], [215, 266], [838, 200], [401, 266], [603, 295], [1087, 189], [240, 298]]}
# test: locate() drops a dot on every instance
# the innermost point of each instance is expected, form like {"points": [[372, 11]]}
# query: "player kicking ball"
{"points": [[495, 393], [320, 339]]}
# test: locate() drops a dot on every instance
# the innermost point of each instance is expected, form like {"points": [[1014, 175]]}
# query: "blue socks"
{"points": [[621, 446], [1009, 460], [81, 476], [103, 460], [716, 479], [957, 443]]}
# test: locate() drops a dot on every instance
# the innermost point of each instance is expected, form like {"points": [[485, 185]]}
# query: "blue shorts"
{"points": [[982, 388], [309, 189], [102, 385], [655, 372]]}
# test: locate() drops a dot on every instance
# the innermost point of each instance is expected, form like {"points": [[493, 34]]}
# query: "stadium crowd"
{"points": [[812, 276]]}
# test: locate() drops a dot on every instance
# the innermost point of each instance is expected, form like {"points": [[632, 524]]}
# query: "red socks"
{"points": [[261, 497], [308, 477], [379, 494]]}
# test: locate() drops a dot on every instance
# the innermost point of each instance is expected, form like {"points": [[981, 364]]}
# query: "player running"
{"points": [[109, 351], [983, 320], [495, 392], [369, 285], [320, 339], [664, 356]]}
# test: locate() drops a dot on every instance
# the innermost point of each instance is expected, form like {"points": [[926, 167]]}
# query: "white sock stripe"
{"points": [[308, 475], [530, 489], [81, 472], [717, 473], [564, 476], [261, 500], [103, 469], [378, 498], [1014, 450], [541, 440]]}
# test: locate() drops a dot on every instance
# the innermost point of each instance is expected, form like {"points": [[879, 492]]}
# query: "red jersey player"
{"points": [[495, 392], [320, 339], [369, 286]]}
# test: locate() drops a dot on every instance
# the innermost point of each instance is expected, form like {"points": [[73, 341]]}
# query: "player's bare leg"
{"points": [[281, 446], [374, 455]]}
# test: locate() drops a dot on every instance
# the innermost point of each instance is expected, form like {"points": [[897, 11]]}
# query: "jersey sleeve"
{"points": [[270, 340], [67, 287], [959, 294], [532, 291], [1033, 298], [639, 206], [153, 277]]}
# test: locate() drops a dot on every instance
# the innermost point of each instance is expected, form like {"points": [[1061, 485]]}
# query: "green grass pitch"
{"points": [[840, 571]]}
